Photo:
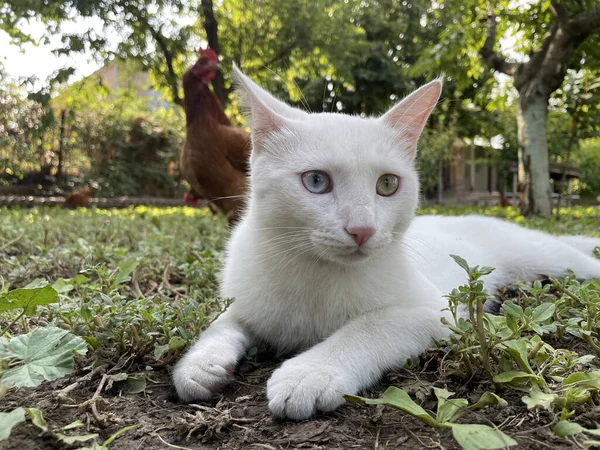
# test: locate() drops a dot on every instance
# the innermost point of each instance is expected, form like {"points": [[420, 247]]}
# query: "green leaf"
{"points": [[46, 354], [74, 439], [176, 343], [9, 420], [565, 428], [538, 398], [37, 418], [514, 310], [487, 399], [475, 437], [62, 287], [28, 299], [126, 268], [73, 425], [449, 410], [591, 379], [119, 433], [461, 262], [517, 349], [135, 385], [515, 376], [397, 398], [543, 312]]}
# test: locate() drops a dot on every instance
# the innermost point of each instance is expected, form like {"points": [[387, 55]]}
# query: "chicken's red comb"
{"points": [[209, 54]]}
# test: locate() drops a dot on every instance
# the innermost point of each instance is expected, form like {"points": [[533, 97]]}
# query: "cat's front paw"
{"points": [[298, 389], [199, 375]]}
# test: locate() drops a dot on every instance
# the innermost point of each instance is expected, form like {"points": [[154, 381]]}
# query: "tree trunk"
{"points": [[212, 36], [534, 167]]}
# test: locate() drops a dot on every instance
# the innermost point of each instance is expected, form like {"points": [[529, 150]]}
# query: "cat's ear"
{"points": [[267, 114], [408, 117]]}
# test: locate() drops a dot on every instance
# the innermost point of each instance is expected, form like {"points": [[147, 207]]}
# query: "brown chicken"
{"points": [[79, 197], [215, 155]]}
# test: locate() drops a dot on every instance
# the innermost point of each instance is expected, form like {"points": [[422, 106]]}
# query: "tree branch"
{"points": [[487, 52], [560, 11], [212, 35], [162, 44], [587, 21]]}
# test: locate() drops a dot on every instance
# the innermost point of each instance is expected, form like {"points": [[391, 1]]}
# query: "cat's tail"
{"points": [[584, 244]]}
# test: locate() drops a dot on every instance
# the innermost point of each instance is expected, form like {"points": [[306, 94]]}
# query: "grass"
{"points": [[138, 284]]}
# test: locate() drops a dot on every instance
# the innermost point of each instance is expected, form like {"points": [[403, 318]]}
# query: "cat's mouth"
{"points": [[350, 256]]}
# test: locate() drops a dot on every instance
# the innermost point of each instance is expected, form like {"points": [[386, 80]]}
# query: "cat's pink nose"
{"points": [[361, 234]]}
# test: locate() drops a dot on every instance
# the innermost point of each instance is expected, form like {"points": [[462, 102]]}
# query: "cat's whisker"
{"points": [[282, 252], [296, 256], [279, 241], [282, 228], [224, 198]]}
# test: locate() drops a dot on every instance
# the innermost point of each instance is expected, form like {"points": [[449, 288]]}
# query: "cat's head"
{"points": [[334, 186]]}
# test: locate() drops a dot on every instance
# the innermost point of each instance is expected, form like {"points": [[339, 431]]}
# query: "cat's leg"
{"points": [[351, 359], [209, 364]]}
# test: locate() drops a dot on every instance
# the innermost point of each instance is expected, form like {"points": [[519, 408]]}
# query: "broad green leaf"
{"points": [[538, 398], [565, 428], [476, 437], [9, 420], [487, 399], [517, 349], [543, 312], [28, 299], [591, 379], [37, 418], [46, 354]]}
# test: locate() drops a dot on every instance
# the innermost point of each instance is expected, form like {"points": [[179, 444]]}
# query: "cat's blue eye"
{"points": [[316, 181]]}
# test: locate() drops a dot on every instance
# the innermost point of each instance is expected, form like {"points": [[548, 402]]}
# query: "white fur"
{"points": [[301, 285]]}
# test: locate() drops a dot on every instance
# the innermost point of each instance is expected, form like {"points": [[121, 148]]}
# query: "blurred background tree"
{"points": [[352, 56]]}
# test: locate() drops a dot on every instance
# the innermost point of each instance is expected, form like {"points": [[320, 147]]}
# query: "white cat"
{"points": [[330, 264]]}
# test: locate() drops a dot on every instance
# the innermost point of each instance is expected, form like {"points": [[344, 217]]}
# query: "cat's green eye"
{"points": [[387, 184], [316, 182]]}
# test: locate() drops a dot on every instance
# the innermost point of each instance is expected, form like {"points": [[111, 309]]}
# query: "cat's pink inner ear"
{"points": [[409, 116], [264, 110]]}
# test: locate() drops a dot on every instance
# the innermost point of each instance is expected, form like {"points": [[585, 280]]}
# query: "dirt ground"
{"points": [[240, 419]]}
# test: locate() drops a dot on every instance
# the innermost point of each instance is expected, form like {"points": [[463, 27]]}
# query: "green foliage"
{"points": [[100, 260], [510, 349], [18, 415], [589, 165], [468, 436], [28, 299], [43, 354]]}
